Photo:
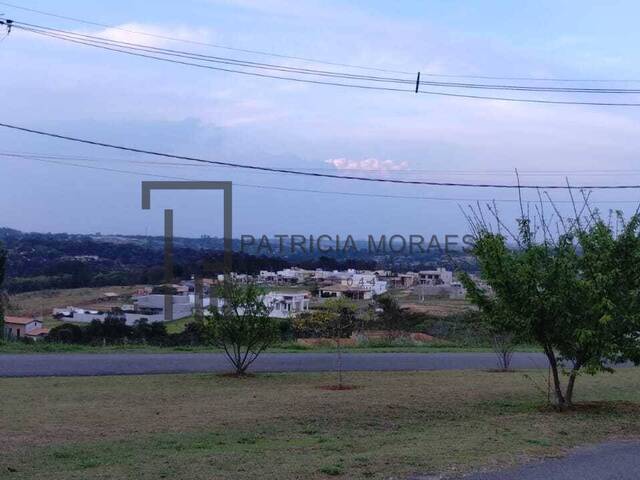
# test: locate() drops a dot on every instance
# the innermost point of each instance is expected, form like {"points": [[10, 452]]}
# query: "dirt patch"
{"points": [[337, 388]]}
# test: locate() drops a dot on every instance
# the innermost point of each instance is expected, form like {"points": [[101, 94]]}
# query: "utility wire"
{"points": [[464, 173], [205, 44], [359, 86], [95, 41], [306, 59], [324, 192], [311, 174], [194, 55]]}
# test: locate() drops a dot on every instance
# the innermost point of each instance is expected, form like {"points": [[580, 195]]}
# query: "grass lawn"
{"points": [[178, 326], [285, 426]]}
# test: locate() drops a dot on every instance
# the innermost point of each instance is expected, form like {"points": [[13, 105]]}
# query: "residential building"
{"points": [[147, 306], [366, 281], [439, 276], [23, 327], [286, 304], [352, 292], [280, 304]]}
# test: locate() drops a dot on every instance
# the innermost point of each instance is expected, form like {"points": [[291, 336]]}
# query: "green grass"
{"points": [[286, 426], [178, 326]]}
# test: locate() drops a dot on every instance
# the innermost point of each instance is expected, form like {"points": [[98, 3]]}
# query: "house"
{"points": [[267, 276], [280, 304], [439, 276], [23, 327], [352, 292], [292, 275], [366, 281], [149, 306], [286, 304]]}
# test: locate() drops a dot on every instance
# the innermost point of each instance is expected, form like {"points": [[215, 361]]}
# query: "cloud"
{"points": [[367, 164], [152, 35]]}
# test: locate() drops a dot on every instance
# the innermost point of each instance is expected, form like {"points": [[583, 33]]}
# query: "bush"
{"points": [[65, 333]]}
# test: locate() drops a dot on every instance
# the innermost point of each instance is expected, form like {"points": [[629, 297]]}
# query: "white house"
{"points": [[292, 275], [267, 276], [439, 276], [147, 306], [286, 304], [280, 304]]}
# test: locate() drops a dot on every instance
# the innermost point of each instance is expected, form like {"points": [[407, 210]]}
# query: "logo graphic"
{"points": [[209, 267]]}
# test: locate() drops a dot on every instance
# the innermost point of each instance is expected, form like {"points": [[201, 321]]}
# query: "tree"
{"points": [[143, 331], [3, 262], [242, 326], [65, 333], [393, 318], [341, 318], [576, 294]]}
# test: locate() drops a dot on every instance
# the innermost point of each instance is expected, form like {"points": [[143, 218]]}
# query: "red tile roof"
{"points": [[18, 320], [37, 331]]}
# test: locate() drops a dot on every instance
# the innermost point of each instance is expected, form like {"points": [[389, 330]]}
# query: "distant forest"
{"points": [[38, 261]]}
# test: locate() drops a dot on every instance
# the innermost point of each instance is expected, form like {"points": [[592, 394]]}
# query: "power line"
{"points": [[503, 172], [96, 41], [325, 192], [349, 85], [310, 60], [310, 174], [101, 41], [205, 44]]}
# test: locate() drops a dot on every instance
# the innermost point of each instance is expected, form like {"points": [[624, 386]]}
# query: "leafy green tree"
{"points": [[393, 318], [242, 326], [312, 324], [576, 294], [3, 262], [65, 333]]}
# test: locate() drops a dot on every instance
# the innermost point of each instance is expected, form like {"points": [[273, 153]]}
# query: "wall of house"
{"points": [[15, 330]]}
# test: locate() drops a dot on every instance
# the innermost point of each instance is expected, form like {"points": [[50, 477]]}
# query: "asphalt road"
{"points": [[607, 461], [82, 364]]}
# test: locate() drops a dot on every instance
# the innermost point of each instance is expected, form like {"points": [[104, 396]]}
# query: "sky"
{"points": [[81, 91]]}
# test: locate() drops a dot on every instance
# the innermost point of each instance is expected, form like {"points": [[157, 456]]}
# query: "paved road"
{"points": [[608, 461], [77, 364]]}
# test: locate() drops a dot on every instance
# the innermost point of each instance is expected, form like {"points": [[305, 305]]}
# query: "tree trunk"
{"points": [[568, 397], [339, 363], [553, 363], [2, 302]]}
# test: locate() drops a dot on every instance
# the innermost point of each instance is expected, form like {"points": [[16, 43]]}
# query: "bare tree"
{"points": [[503, 346], [341, 320], [242, 327]]}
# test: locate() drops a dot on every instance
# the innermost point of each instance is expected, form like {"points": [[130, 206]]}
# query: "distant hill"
{"points": [[60, 260]]}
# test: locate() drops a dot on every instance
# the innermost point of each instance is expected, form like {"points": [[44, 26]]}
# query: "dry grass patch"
{"points": [[285, 426], [35, 303]]}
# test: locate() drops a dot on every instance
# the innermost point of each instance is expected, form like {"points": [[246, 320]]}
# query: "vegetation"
{"points": [[242, 326], [286, 426], [38, 261], [576, 294], [341, 321], [3, 260], [393, 318], [114, 331]]}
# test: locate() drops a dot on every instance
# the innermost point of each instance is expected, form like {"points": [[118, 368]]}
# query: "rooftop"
{"points": [[37, 331], [19, 320]]}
